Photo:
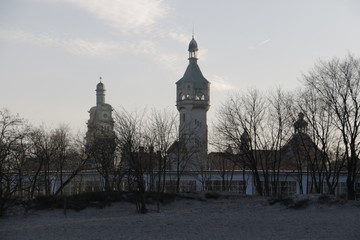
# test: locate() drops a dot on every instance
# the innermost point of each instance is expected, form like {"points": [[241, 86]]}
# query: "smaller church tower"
{"points": [[300, 126], [193, 102], [101, 123], [100, 137]]}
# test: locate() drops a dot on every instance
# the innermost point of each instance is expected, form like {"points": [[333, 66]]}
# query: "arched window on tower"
{"points": [[188, 92], [181, 96], [200, 96]]}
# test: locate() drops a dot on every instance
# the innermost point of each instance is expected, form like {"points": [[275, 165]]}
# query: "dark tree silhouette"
{"points": [[337, 83]]}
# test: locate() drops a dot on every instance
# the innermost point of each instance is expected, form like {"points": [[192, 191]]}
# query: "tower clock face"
{"points": [[105, 115]]}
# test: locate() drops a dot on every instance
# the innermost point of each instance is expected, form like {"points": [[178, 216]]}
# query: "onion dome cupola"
{"points": [[193, 48]]}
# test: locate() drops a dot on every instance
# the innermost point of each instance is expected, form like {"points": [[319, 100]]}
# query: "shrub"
{"points": [[94, 199], [323, 198], [284, 201], [299, 204], [212, 195]]}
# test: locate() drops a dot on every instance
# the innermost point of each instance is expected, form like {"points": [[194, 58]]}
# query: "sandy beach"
{"points": [[232, 218]]}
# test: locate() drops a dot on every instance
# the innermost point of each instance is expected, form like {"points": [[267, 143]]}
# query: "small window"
{"points": [[181, 96], [200, 96], [183, 117]]}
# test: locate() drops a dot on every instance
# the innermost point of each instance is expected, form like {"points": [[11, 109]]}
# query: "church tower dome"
{"points": [[193, 48]]}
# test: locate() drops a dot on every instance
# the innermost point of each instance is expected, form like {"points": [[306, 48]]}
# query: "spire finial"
{"points": [[100, 77], [193, 31]]}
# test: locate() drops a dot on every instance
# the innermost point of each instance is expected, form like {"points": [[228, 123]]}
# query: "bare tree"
{"points": [[10, 136], [256, 127], [201, 164], [162, 133], [19, 156], [70, 158], [279, 130], [183, 156], [61, 138], [240, 124], [227, 158], [337, 83], [224, 163], [101, 150], [43, 151], [325, 163], [131, 137], [51, 156]]}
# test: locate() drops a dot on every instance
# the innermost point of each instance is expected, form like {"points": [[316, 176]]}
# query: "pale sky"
{"points": [[52, 52]]}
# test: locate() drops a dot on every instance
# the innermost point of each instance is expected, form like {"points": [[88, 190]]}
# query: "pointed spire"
{"points": [[100, 93]]}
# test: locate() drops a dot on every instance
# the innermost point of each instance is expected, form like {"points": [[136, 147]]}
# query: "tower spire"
{"points": [[193, 31], [100, 93]]}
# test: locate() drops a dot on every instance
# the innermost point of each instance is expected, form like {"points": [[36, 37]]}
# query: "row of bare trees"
{"points": [[32, 158], [141, 146], [255, 127], [259, 128], [336, 84]]}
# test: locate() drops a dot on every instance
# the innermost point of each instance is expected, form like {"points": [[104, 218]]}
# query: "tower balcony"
{"points": [[205, 104]]}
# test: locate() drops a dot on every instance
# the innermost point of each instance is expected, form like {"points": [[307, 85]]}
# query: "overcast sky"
{"points": [[52, 52]]}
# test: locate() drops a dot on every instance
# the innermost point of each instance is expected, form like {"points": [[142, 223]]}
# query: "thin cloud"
{"points": [[94, 48], [202, 52], [76, 46], [168, 58], [127, 15], [260, 44], [144, 47], [182, 38], [264, 42], [220, 83], [139, 18], [85, 47]]}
